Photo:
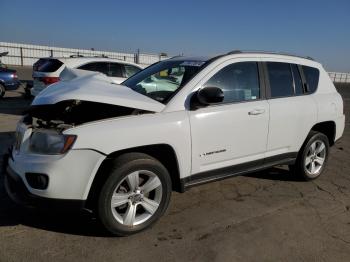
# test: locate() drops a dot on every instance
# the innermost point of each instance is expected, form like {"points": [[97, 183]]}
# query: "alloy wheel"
{"points": [[136, 198], [315, 158]]}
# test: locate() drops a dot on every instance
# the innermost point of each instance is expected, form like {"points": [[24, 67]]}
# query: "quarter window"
{"points": [[280, 77], [312, 76], [238, 81]]}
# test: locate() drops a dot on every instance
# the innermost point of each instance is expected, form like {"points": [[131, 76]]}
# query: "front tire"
{"points": [[313, 156], [135, 195]]}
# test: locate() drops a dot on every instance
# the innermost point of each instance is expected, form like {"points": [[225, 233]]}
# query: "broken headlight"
{"points": [[50, 142]]}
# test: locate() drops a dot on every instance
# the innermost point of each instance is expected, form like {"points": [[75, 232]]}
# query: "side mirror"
{"points": [[210, 95], [206, 96]]}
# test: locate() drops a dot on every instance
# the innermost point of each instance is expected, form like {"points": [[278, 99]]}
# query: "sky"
{"points": [[320, 29]]}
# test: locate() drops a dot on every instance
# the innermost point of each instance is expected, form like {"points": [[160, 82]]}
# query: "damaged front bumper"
{"points": [[69, 176], [17, 191]]}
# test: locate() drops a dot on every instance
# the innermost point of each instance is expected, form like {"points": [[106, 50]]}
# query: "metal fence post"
{"points": [[137, 57], [21, 50]]}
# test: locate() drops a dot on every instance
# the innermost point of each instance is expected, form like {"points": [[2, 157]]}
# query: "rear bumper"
{"points": [[18, 193]]}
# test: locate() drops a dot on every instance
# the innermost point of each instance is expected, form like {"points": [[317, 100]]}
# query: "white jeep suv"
{"points": [[47, 71], [178, 123]]}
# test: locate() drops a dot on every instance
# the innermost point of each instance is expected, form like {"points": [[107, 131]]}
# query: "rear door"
{"points": [[292, 110]]}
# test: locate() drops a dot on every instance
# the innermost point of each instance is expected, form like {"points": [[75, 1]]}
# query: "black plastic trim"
{"points": [[262, 82], [240, 169]]}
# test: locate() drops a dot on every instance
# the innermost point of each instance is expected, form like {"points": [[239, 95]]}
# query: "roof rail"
{"points": [[268, 53]]}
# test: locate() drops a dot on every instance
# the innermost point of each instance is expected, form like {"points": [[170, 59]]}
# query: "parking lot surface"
{"points": [[264, 216]]}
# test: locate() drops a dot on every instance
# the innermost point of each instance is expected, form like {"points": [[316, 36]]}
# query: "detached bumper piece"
{"points": [[19, 193]]}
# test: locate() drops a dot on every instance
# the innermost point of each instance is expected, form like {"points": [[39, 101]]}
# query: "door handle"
{"points": [[256, 112]]}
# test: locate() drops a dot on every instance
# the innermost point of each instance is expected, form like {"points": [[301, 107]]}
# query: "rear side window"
{"points": [[281, 79], [298, 83], [312, 76], [101, 67], [130, 70], [115, 70], [238, 81], [47, 65]]}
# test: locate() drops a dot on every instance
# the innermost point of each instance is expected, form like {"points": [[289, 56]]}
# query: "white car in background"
{"points": [[46, 71]]}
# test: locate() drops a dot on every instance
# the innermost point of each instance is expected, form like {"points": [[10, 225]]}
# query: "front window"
{"points": [[239, 82], [161, 81]]}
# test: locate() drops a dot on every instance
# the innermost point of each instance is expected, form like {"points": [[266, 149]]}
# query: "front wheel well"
{"points": [[328, 128], [162, 152]]}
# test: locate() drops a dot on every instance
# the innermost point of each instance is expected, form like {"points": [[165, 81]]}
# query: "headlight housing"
{"points": [[50, 142]]}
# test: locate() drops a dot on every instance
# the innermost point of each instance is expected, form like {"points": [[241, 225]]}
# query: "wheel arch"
{"points": [[327, 128], [162, 152]]}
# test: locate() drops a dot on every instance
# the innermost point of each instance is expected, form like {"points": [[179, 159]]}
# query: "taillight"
{"points": [[14, 75], [49, 80]]}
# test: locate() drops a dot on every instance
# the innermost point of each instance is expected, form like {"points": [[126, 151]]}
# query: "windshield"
{"points": [[161, 81]]}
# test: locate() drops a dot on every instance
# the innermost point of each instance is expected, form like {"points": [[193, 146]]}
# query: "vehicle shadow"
{"points": [[279, 173], [83, 223], [61, 221]]}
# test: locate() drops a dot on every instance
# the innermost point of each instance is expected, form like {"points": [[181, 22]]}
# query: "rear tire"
{"points": [[135, 195], [312, 157]]}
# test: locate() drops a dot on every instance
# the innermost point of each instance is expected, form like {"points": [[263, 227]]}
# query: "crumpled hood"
{"points": [[94, 87]]}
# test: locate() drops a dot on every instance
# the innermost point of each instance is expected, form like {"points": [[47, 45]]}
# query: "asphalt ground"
{"points": [[264, 216]]}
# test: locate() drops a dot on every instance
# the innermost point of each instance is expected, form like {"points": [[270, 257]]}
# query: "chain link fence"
{"points": [[339, 77], [27, 55]]}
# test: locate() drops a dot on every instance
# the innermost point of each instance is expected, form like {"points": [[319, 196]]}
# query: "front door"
{"points": [[234, 131]]}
